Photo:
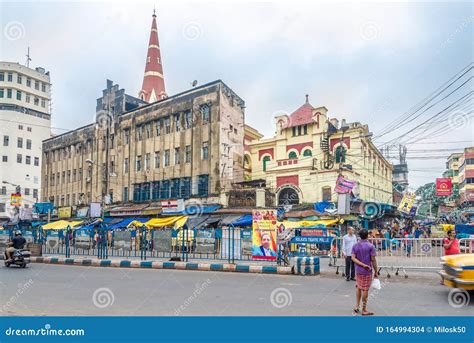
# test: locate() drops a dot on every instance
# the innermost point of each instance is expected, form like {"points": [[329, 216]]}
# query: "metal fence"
{"points": [[401, 254]]}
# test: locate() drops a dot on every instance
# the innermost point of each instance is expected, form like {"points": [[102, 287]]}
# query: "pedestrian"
{"points": [[451, 244], [348, 242], [363, 255]]}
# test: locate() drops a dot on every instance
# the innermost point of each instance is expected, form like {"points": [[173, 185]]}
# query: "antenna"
{"points": [[28, 58]]}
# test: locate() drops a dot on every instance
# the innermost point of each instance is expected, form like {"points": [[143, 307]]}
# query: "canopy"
{"points": [[125, 222], [243, 221], [308, 223], [61, 224], [195, 209], [156, 223]]}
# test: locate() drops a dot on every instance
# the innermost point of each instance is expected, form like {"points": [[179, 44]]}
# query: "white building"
{"points": [[25, 121]]}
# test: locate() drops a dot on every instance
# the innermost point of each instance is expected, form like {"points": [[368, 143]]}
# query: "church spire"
{"points": [[153, 87]]}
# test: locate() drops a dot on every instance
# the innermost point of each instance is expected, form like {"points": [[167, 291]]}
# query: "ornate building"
{"points": [[308, 152]]}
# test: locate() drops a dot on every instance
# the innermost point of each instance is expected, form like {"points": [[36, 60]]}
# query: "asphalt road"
{"points": [[44, 289]]}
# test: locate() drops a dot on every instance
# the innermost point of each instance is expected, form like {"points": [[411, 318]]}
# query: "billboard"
{"points": [[15, 199], [65, 212], [407, 203], [444, 187], [95, 210], [264, 234]]}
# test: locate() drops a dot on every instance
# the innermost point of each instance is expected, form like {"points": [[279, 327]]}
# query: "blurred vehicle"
{"points": [[458, 271]]}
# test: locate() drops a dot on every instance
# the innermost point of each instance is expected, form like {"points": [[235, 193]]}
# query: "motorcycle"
{"points": [[20, 257]]}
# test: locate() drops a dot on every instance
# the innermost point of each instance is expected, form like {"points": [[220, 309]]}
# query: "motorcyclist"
{"points": [[17, 243]]}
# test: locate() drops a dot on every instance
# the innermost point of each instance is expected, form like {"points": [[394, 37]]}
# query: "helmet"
{"points": [[17, 233]]}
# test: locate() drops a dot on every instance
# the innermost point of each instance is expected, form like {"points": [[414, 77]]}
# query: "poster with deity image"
{"points": [[264, 235]]}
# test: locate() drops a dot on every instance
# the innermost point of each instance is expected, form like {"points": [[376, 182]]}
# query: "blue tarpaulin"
{"points": [[123, 224], [243, 221], [466, 229], [322, 206], [43, 207]]}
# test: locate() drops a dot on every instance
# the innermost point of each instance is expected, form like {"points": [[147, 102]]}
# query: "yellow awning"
{"points": [[307, 223], [156, 223], [61, 224]]}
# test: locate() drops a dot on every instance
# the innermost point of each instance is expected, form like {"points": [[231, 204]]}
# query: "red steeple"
{"points": [[153, 87]]}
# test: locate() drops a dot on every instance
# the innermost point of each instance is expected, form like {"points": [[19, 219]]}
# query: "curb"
{"points": [[218, 267]]}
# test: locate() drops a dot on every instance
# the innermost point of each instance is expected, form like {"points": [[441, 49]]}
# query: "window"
{"points": [[27, 98], [43, 87], [18, 78], [18, 95], [6, 140], [292, 154], [139, 132], [188, 120], [73, 199], [64, 177], [10, 77], [28, 129], [28, 82], [2, 76], [9, 93], [174, 188], [36, 101], [166, 158], [158, 127], [74, 175], [126, 136], [185, 191], [305, 129], [147, 161], [187, 153], [18, 158], [341, 155], [203, 185], [125, 165], [80, 173], [148, 130], [138, 163], [265, 160], [326, 191], [36, 84], [28, 159], [176, 155], [299, 130], [20, 127], [307, 152], [1, 92], [125, 194], [28, 144], [4, 190], [68, 176], [167, 125], [43, 103], [27, 191], [165, 189], [205, 114], [157, 159], [177, 122], [4, 158], [205, 151], [293, 129]]}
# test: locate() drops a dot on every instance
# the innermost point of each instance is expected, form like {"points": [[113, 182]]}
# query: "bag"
{"points": [[375, 284]]}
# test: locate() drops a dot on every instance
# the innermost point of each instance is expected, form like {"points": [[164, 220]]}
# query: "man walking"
{"points": [[363, 255], [348, 242]]}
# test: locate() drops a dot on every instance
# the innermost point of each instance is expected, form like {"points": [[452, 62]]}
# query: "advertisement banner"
{"points": [[65, 212], [264, 234], [343, 185], [15, 199], [95, 210], [444, 187], [407, 203]]}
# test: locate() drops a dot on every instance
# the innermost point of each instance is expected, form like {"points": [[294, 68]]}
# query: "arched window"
{"points": [[247, 163], [265, 160], [292, 155], [340, 154], [307, 152]]}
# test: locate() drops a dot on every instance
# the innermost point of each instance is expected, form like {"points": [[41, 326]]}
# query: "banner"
{"points": [[95, 210], [264, 234], [444, 187], [343, 186], [15, 199], [65, 212], [407, 203]]}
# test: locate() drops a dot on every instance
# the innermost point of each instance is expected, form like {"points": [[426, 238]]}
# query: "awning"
{"points": [[309, 223], [124, 223], [61, 224], [243, 221], [202, 221], [230, 219], [133, 210], [196, 209], [157, 223]]}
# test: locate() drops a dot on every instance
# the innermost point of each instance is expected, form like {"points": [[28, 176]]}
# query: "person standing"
{"points": [[451, 244], [348, 242], [363, 255]]}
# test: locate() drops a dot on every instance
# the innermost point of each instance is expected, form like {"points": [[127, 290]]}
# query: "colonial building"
{"points": [[25, 117], [308, 152], [466, 179], [189, 145]]}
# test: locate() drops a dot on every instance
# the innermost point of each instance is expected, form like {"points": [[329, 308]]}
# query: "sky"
{"points": [[368, 62]]}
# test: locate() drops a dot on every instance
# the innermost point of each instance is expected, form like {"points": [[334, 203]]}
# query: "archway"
{"points": [[288, 196]]}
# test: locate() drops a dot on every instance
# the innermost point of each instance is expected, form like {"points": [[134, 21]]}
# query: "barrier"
{"points": [[401, 254], [305, 265]]}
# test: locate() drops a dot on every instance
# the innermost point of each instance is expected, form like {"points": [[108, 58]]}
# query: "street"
{"points": [[49, 290]]}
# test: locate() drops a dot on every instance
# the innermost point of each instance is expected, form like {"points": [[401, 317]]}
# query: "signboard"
{"points": [[15, 199], [168, 206], [26, 213], [95, 210], [311, 239], [344, 186], [82, 239], [264, 234], [407, 203], [82, 212], [444, 187], [65, 212], [205, 241], [162, 240]]}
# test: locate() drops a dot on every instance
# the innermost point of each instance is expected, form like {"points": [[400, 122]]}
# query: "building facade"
{"points": [[466, 178], [25, 96], [186, 146], [308, 152]]}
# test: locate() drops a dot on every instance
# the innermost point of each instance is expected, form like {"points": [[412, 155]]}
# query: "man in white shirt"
{"points": [[348, 241]]}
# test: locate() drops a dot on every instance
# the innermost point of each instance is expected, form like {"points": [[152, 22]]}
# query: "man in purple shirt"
{"points": [[363, 255]]}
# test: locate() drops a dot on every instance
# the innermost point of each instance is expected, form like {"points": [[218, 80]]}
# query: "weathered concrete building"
{"points": [[155, 147]]}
